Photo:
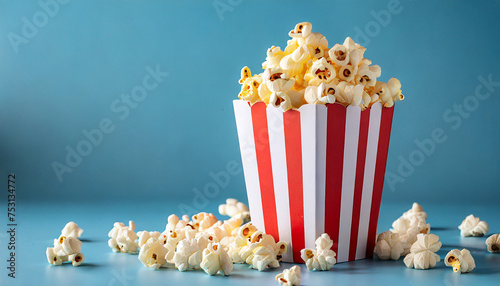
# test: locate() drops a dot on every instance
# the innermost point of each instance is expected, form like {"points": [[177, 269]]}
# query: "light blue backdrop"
{"points": [[64, 68]]}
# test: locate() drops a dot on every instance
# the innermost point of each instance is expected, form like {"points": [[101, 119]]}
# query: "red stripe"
{"points": [[335, 137], [293, 147], [358, 185], [263, 153], [378, 183]]}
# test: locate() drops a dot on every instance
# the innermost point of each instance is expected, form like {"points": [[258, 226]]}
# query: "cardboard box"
{"points": [[315, 170]]}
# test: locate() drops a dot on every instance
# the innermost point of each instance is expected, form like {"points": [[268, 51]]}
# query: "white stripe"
{"points": [[308, 142], [280, 177], [244, 126], [353, 117], [366, 197], [321, 119]]}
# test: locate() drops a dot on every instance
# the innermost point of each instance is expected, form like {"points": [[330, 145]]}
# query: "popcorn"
{"points": [[265, 251], [122, 238], [349, 94], [409, 225], [240, 241], [388, 92], [215, 259], [189, 253], [77, 259], [52, 257], [408, 229], [461, 261], [289, 277], [415, 211], [67, 246], [321, 94], [422, 253], [320, 71], [71, 245], [250, 86], [472, 226], [152, 254], [388, 246], [493, 243], [274, 56], [347, 73], [235, 209], [307, 62], [322, 258], [145, 235], [71, 229]]}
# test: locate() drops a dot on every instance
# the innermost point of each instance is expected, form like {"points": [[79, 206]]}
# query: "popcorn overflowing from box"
{"points": [[314, 130]]}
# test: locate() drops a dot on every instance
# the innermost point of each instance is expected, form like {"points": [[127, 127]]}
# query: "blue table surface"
{"points": [[39, 223]]}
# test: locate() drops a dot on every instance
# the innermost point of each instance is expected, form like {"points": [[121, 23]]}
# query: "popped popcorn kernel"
{"points": [[423, 252], [289, 277], [461, 261], [493, 243], [473, 226]]}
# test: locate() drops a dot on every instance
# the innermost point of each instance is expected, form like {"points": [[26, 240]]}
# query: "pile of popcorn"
{"points": [[67, 247], [307, 71], [201, 242]]}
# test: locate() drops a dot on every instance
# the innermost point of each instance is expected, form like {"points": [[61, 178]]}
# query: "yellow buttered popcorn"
{"points": [[250, 86], [306, 62]]}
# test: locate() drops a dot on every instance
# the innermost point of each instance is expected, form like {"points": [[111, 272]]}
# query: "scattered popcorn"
{"points": [[216, 260], [153, 253], [122, 238], [71, 229], [493, 243], [235, 209], [422, 253], [289, 277], [290, 75], [322, 258], [472, 226], [67, 247], [461, 261], [388, 246]]}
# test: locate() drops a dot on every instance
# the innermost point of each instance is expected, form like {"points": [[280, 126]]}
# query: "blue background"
{"points": [[65, 79]]}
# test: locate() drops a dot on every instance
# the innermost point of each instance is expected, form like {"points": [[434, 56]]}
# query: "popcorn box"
{"points": [[314, 170]]}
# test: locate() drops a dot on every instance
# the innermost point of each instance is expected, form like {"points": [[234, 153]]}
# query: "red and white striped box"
{"points": [[315, 170]]}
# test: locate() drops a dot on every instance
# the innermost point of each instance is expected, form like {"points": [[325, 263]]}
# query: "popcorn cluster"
{"points": [[67, 247], [202, 242], [423, 252], [461, 261], [289, 277], [397, 242], [307, 71], [473, 226], [322, 258]]}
